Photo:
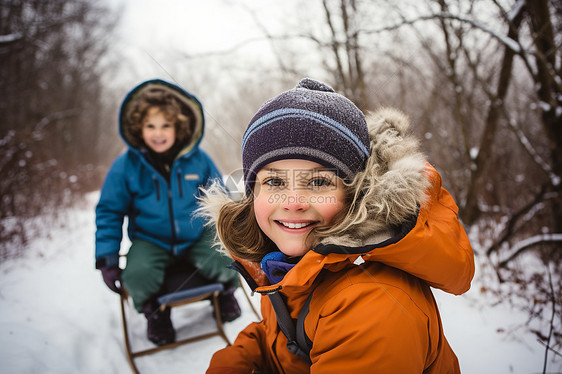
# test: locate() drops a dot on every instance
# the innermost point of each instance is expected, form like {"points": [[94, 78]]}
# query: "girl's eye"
{"points": [[320, 182], [274, 182], [166, 126]]}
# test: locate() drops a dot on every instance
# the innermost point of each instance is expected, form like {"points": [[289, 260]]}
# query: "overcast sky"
{"points": [[151, 32]]}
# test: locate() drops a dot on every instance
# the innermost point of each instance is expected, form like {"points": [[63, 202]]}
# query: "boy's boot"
{"points": [[229, 308], [159, 325]]}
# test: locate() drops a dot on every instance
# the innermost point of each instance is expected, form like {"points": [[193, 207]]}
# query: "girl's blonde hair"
{"points": [[168, 105]]}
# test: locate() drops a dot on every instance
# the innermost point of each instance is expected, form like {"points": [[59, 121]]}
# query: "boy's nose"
{"points": [[160, 133]]}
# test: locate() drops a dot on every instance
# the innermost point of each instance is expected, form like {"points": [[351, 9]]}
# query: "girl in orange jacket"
{"points": [[343, 229]]}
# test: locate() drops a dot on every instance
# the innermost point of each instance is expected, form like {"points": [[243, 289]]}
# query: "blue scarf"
{"points": [[276, 265]]}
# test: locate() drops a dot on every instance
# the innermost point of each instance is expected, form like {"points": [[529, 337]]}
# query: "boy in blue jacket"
{"points": [[155, 184]]}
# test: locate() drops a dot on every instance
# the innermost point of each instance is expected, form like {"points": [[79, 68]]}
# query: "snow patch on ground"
{"points": [[57, 316]]}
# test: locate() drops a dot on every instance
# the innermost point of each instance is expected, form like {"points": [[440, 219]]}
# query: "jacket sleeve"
{"points": [[393, 338], [244, 356], [437, 249], [111, 209], [213, 172]]}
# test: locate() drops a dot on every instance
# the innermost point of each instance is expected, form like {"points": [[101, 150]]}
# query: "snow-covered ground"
{"points": [[57, 316]]}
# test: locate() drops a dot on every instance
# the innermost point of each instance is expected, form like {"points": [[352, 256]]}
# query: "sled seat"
{"points": [[171, 300], [179, 297]]}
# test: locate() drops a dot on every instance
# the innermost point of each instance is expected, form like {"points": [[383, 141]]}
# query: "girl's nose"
{"points": [[295, 202]]}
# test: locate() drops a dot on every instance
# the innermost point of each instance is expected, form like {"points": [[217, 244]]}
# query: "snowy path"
{"points": [[57, 316]]}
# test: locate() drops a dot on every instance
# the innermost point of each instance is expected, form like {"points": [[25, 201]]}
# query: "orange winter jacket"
{"points": [[372, 310]]}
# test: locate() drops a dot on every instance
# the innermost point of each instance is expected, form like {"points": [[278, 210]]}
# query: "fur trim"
{"points": [[190, 108], [212, 199], [391, 188]]}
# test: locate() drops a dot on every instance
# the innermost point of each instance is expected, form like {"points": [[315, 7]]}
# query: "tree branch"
{"points": [[505, 40], [334, 46], [471, 211], [527, 145], [10, 38], [528, 243], [553, 302], [508, 231]]}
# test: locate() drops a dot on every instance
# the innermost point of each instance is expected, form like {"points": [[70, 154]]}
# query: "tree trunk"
{"points": [[470, 211], [548, 91]]}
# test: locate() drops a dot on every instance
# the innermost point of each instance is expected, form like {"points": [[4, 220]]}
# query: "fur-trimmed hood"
{"points": [[392, 187], [190, 107], [401, 193]]}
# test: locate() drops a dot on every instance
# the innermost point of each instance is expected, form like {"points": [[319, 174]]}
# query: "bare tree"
{"points": [[51, 110], [508, 164]]}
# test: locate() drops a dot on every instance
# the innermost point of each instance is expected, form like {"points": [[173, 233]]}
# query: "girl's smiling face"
{"points": [[293, 196], [157, 132]]}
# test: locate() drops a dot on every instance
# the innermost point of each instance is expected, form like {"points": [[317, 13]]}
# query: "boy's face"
{"points": [[293, 196], [157, 132]]}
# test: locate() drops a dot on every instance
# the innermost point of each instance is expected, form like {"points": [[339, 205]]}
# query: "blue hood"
{"points": [[191, 107]]}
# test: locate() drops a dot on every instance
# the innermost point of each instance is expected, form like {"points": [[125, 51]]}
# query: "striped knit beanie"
{"points": [[309, 122]]}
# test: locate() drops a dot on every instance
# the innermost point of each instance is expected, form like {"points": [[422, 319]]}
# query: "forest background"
{"points": [[480, 79]]}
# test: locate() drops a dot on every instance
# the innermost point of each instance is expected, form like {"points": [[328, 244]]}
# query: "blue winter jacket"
{"points": [[158, 211]]}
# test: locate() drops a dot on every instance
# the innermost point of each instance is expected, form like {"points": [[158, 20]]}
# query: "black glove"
{"points": [[111, 275]]}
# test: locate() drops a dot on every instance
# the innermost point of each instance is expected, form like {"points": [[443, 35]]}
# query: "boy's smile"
{"points": [[157, 132], [291, 198]]}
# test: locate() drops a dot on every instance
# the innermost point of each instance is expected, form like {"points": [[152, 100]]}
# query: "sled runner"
{"points": [[171, 300]]}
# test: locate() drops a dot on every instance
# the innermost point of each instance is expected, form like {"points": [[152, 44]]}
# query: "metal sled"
{"points": [[171, 300]]}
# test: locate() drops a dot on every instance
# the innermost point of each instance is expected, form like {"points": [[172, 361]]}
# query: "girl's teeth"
{"points": [[295, 225]]}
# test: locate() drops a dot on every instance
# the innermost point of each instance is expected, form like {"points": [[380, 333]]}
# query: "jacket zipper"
{"points": [[157, 185], [179, 183], [173, 244], [170, 211]]}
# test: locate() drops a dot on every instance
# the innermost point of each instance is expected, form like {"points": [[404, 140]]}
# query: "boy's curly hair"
{"points": [[168, 105]]}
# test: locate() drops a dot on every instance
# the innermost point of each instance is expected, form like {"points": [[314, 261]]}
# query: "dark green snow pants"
{"points": [[151, 271]]}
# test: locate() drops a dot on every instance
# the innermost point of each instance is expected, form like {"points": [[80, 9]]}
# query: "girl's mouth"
{"points": [[295, 226]]}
